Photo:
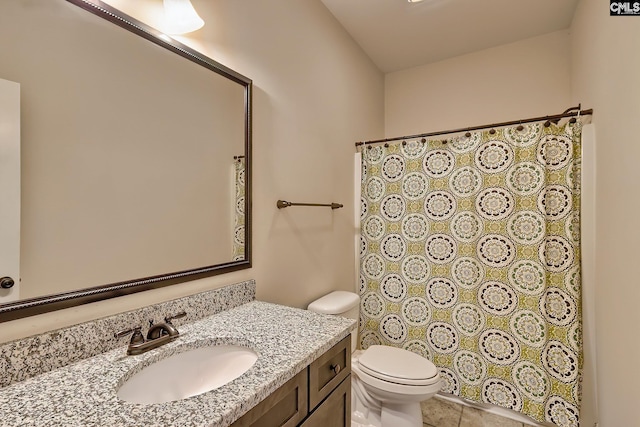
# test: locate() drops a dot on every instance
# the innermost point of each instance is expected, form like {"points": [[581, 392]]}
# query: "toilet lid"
{"points": [[397, 365]]}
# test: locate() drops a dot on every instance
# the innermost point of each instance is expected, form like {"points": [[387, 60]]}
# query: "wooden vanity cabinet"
{"points": [[320, 395], [328, 371], [335, 410], [285, 407]]}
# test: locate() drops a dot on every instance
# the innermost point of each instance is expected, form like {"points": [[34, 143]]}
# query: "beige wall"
{"points": [[529, 78], [605, 70], [315, 93]]}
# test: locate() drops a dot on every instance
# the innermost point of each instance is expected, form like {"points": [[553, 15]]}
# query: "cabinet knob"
{"points": [[6, 282], [335, 368]]}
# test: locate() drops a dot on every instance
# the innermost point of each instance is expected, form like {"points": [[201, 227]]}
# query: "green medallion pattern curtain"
{"points": [[470, 256], [238, 227]]}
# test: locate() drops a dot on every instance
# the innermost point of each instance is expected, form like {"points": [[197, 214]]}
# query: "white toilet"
{"points": [[388, 383]]}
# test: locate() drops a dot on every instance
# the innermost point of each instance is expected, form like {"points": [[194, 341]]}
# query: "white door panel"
{"points": [[10, 188]]}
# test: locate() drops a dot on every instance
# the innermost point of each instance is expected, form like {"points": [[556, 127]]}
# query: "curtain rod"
{"points": [[555, 118]]}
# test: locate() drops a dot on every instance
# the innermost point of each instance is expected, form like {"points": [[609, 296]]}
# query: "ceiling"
{"points": [[397, 34]]}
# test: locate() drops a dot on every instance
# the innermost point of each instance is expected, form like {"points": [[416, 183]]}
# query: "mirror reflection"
{"points": [[133, 157]]}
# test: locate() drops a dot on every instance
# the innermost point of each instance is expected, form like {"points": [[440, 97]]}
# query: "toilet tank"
{"points": [[340, 303]]}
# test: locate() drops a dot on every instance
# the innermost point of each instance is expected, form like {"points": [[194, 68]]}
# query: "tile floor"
{"points": [[442, 413]]}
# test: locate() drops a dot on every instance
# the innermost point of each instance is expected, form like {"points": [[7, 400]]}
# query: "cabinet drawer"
{"points": [[335, 411], [328, 371], [285, 407]]}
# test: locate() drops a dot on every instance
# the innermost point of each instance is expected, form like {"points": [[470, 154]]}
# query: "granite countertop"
{"points": [[84, 393]]}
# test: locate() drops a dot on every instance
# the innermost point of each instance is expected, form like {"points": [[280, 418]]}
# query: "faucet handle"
{"points": [[168, 319], [136, 338]]}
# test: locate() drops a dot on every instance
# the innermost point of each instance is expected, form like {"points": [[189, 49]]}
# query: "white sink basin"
{"points": [[188, 374]]}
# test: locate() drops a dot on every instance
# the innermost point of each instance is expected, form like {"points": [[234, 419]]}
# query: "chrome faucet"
{"points": [[157, 335]]}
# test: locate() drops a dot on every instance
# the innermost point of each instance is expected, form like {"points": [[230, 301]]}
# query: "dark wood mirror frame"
{"points": [[33, 306]]}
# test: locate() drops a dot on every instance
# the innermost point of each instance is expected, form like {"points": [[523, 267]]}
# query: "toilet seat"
{"points": [[398, 366], [392, 391]]}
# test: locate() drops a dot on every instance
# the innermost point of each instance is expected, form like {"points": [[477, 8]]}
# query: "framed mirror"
{"points": [[135, 156]]}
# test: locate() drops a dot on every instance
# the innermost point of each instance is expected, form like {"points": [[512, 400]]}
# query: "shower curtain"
{"points": [[238, 227], [470, 256]]}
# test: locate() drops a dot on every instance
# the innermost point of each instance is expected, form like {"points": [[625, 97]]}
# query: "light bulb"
{"points": [[181, 17]]}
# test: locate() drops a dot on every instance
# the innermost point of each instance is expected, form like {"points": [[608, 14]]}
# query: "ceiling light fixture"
{"points": [[414, 1], [181, 17]]}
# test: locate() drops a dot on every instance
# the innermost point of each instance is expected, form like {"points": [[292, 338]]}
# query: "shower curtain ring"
{"points": [[577, 116]]}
